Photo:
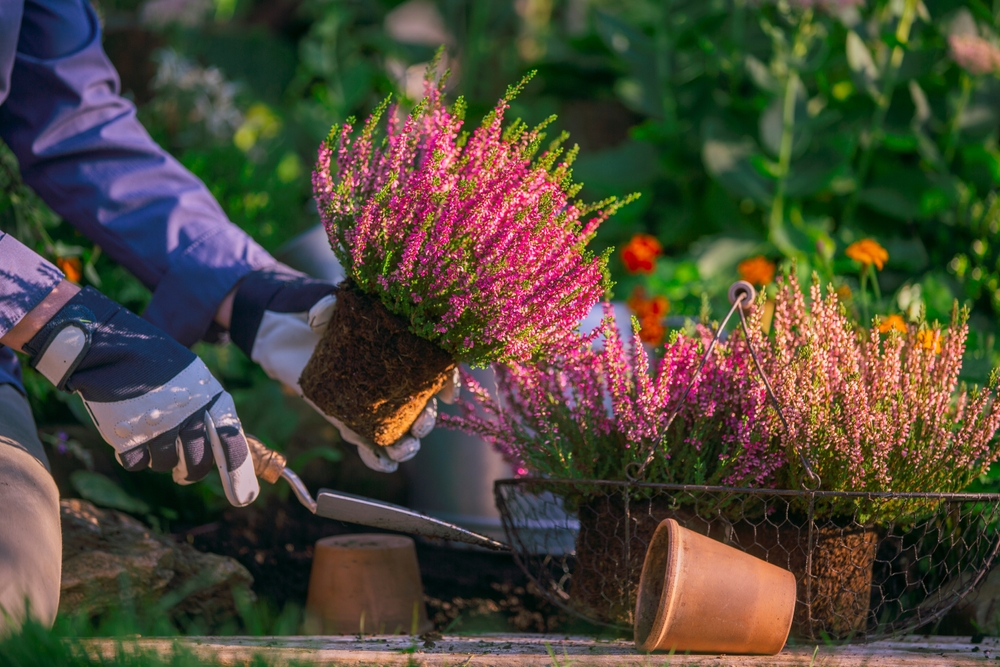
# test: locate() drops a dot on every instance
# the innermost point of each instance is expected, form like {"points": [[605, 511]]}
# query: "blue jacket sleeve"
{"points": [[25, 279], [84, 152]]}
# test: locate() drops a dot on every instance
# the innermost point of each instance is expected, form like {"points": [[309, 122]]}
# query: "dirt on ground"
{"points": [[465, 590]]}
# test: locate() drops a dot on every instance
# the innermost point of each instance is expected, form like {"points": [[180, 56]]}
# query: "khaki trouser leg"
{"points": [[30, 535]]}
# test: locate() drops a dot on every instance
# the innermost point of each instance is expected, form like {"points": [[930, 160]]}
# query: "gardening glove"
{"points": [[279, 316], [150, 397]]}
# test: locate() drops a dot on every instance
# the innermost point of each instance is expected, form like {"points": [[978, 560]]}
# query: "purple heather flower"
{"points": [[592, 411], [474, 239], [873, 411]]}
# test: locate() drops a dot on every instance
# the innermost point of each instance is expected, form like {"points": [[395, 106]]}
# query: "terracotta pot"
{"points": [[698, 595], [833, 596], [367, 584]]}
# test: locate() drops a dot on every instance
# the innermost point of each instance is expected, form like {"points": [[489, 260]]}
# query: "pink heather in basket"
{"points": [[593, 411]]}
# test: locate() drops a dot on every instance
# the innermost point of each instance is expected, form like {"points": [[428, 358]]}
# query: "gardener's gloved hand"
{"points": [[279, 316], [151, 398]]}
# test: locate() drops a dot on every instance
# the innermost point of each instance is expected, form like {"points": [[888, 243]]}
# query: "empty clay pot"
{"points": [[698, 595], [366, 583]]}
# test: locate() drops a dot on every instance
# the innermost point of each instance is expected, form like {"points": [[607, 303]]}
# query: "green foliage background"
{"points": [[750, 128]]}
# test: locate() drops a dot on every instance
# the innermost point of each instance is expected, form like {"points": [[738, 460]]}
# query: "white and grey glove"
{"points": [[151, 398], [279, 316]]}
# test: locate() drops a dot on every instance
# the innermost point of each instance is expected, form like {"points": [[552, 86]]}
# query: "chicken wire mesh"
{"points": [[899, 563]]}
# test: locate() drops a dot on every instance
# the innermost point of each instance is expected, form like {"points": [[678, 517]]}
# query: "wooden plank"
{"points": [[539, 650]]}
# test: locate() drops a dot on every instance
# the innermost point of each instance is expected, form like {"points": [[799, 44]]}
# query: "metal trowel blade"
{"points": [[350, 508]]}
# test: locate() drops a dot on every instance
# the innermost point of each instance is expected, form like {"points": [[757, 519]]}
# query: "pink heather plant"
{"points": [[591, 412], [875, 412], [472, 239]]}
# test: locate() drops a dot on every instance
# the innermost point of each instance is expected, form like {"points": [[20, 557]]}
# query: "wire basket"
{"points": [[857, 577], [866, 565]]}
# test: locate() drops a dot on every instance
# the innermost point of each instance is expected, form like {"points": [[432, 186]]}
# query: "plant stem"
{"points": [[664, 47], [737, 35], [963, 102], [864, 294], [882, 105], [776, 225]]}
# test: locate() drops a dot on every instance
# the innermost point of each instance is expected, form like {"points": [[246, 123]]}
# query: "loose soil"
{"points": [[390, 372]]}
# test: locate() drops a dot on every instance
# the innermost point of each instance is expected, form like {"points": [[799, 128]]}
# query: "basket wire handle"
{"points": [[637, 476], [814, 479], [739, 293]]}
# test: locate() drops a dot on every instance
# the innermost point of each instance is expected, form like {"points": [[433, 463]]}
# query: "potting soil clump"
{"points": [[457, 248], [365, 348]]}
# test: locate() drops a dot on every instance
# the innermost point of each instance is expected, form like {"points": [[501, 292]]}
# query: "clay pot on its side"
{"points": [[833, 597], [370, 371], [698, 595], [366, 583]]}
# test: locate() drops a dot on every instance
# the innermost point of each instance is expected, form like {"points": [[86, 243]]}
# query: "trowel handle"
{"points": [[267, 463], [271, 466]]}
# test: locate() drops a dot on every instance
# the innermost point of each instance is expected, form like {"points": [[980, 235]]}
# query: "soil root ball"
{"points": [[370, 371]]}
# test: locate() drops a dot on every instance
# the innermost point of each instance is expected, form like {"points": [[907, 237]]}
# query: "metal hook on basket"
{"points": [[741, 295]]}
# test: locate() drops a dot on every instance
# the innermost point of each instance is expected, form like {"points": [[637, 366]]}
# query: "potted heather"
{"points": [[599, 407], [874, 411], [457, 248], [877, 410]]}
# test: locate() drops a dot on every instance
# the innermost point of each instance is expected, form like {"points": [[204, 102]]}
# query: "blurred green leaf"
{"points": [[939, 293], [641, 90], [892, 203], [618, 170], [729, 160], [761, 75], [720, 256], [771, 124], [906, 254], [859, 59], [814, 172], [103, 492]]}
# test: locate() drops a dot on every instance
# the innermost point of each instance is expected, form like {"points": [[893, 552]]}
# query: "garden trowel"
{"points": [[271, 466]]}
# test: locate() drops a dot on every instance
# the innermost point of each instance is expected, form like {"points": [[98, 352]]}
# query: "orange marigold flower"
{"points": [[650, 312], [930, 340], [757, 270], [640, 253], [72, 267], [868, 252], [893, 322], [844, 293], [643, 306], [651, 330]]}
